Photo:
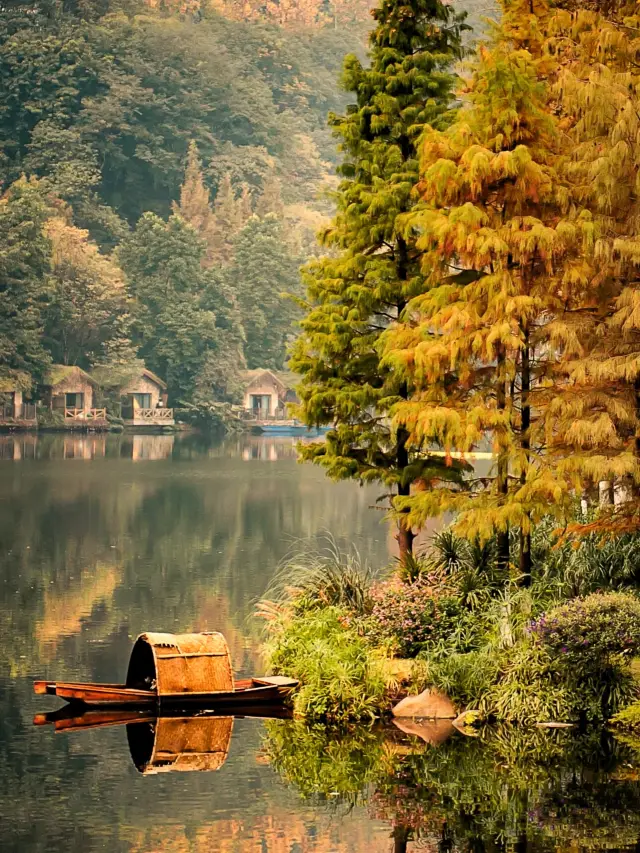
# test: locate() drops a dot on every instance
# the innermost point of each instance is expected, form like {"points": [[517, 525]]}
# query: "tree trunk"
{"points": [[525, 444], [405, 535], [400, 838], [502, 538]]}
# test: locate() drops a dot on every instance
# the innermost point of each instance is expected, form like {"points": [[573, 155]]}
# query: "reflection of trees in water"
{"points": [[509, 790], [97, 552]]}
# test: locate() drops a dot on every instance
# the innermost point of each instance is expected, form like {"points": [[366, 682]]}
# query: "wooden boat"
{"points": [[175, 670]]}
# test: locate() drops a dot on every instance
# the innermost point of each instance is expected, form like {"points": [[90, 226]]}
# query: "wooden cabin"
{"points": [[14, 412], [70, 391], [266, 394], [144, 401]]}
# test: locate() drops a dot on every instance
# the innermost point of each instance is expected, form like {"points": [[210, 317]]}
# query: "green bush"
{"points": [[340, 677], [628, 718], [529, 689], [586, 633], [466, 678]]}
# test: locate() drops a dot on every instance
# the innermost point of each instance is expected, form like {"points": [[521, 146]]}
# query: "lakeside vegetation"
{"points": [[506, 789], [480, 292]]}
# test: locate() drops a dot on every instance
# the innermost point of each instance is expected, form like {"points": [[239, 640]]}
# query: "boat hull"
{"points": [[251, 691]]}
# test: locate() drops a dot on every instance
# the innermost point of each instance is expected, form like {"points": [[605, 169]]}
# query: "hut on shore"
{"points": [[14, 411], [70, 391], [144, 401], [267, 392]]}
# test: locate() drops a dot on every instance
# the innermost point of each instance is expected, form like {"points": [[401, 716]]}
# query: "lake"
{"points": [[103, 537]]}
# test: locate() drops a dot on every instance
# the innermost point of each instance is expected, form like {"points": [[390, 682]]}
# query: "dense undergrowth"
{"points": [[558, 650]]}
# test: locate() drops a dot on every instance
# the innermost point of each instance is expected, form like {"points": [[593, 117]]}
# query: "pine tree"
{"points": [[194, 206], [263, 272], [228, 219], [374, 271], [506, 255]]}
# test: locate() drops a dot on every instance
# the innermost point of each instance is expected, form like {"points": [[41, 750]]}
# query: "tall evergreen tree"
{"points": [[261, 276], [483, 347], [374, 268], [194, 206]]}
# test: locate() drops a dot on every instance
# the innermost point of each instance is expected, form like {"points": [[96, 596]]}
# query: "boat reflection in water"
{"points": [[161, 743]]}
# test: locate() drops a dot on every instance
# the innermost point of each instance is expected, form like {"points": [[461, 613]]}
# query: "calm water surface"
{"points": [[102, 538]]}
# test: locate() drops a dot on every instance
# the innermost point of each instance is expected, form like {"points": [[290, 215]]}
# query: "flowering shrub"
{"points": [[413, 617], [589, 632]]}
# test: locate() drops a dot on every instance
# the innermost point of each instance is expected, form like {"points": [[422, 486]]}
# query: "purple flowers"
{"points": [[591, 631]]}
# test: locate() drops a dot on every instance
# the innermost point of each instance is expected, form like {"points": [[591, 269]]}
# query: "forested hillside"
{"points": [[104, 108]]}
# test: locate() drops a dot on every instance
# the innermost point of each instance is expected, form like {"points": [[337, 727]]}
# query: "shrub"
{"points": [[414, 617], [628, 718], [340, 677], [529, 689], [328, 578], [586, 633], [465, 678]]}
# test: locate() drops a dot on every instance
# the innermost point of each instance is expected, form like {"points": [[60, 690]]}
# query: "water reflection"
{"points": [[509, 789], [161, 743], [97, 549], [98, 552], [435, 789]]}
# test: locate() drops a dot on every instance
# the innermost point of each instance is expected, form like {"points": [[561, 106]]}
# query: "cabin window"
{"points": [[261, 404], [142, 401], [74, 400]]}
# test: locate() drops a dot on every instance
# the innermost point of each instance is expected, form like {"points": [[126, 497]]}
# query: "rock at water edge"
{"points": [[430, 704]]}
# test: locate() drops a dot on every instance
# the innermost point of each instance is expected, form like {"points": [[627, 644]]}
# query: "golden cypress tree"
{"points": [[505, 249], [593, 422]]}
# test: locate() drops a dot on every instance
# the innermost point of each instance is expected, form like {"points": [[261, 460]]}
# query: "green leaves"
{"points": [[361, 287], [25, 262]]}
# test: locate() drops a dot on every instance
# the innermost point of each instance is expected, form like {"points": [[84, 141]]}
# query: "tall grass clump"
{"points": [[313, 629], [328, 577]]}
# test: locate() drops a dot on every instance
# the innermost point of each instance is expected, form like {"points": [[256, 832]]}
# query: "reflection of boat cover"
{"points": [[180, 743], [175, 670]]}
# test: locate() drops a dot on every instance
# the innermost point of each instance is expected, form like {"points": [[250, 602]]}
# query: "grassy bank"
{"points": [[455, 621]]}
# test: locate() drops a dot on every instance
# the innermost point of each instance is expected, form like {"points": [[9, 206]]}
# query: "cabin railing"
{"points": [[85, 414], [278, 415], [161, 414]]}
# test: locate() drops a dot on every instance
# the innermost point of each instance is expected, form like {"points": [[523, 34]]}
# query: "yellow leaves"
{"points": [[75, 254]]}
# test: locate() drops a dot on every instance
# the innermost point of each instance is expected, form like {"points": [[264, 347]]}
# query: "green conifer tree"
{"points": [[374, 269], [261, 275]]}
